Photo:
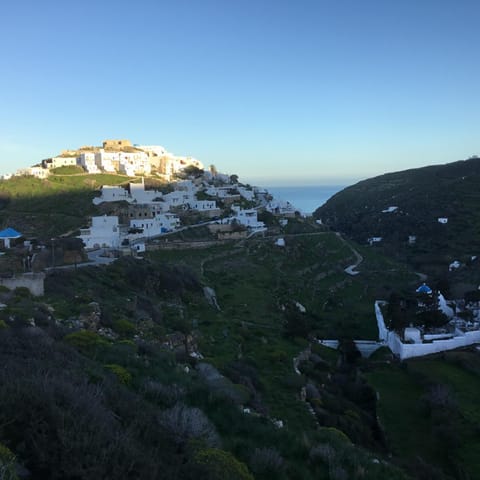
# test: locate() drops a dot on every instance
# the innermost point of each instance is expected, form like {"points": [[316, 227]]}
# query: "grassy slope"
{"points": [[411, 431], [252, 280], [50, 207]]}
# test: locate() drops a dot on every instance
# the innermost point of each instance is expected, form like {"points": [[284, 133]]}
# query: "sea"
{"points": [[306, 198]]}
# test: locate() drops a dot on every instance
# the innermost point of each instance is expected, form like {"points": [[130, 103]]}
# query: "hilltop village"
{"points": [[181, 291], [140, 215], [116, 156]]}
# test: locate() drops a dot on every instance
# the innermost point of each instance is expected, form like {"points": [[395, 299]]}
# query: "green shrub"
{"points": [[3, 324], [22, 292], [122, 374], [219, 465], [84, 339], [123, 327]]}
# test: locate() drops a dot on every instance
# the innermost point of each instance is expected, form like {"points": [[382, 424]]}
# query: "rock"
{"points": [[211, 297]]}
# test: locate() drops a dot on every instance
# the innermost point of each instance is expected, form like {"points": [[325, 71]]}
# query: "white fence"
{"points": [[409, 350]]}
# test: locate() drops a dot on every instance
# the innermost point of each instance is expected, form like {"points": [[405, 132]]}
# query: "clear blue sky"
{"points": [[277, 91]]}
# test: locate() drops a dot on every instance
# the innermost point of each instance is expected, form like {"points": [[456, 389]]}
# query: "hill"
{"points": [[407, 205], [202, 361], [168, 379], [53, 206]]}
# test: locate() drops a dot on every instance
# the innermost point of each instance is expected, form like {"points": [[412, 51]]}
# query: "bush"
{"points": [[84, 339], [218, 464], [122, 374], [185, 423], [123, 327], [22, 292]]}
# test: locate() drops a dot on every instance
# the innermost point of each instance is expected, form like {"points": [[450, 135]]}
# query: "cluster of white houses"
{"points": [[117, 156], [150, 213]]}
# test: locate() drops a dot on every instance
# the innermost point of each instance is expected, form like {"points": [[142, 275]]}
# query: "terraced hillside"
{"points": [[422, 196]]}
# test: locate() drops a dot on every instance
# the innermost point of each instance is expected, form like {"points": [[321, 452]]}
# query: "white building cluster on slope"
{"points": [[117, 156]]}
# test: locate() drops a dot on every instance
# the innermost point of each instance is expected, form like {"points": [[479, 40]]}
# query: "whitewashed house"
{"points": [[112, 193], [203, 205], [57, 162], [151, 227], [140, 195], [107, 161], [280, 207], [38, 172], [248, 218], [179, 198], [104, 232], [87, 161], [246, 193]]}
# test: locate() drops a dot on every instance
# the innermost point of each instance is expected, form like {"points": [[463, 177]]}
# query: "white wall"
{"points": [[154, 226], [104, 232], [407, 350]]}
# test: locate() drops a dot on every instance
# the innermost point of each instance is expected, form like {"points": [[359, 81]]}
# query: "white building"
{"points": [[134, 163], [140, 195], [203, 205], [112, 193], [107, 161], [280, 207], [151, 227], [87, 161], [248, 218], [179, 198], [246, 193], [38, 172], [157, 150], [104, 232], [56, 162], [172, 164]]}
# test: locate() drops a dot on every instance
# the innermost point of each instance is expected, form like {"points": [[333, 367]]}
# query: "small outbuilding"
{"points": [[9, 234]]}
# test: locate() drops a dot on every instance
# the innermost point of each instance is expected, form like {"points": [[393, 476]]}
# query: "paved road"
{"points": [[97, 257]]}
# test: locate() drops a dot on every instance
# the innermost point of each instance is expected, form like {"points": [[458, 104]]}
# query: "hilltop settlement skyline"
{"points": [[115, 156]]}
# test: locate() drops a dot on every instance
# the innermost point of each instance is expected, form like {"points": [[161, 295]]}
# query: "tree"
{"points": [[191, 171], [431, 318]]}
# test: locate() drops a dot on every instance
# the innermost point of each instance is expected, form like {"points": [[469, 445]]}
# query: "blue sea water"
{"points": [[306, 198]]}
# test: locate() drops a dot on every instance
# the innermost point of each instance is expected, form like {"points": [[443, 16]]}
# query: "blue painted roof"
{"points": [[424, 289], [10, 233]]}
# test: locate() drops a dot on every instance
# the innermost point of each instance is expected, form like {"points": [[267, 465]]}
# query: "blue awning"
{"points": [[10, 233]]}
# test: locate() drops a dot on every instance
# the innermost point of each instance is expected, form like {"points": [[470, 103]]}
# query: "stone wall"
{"points": [[33, 281]]}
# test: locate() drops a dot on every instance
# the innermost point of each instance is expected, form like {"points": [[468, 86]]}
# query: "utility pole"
{"points": [[53, 253]]}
